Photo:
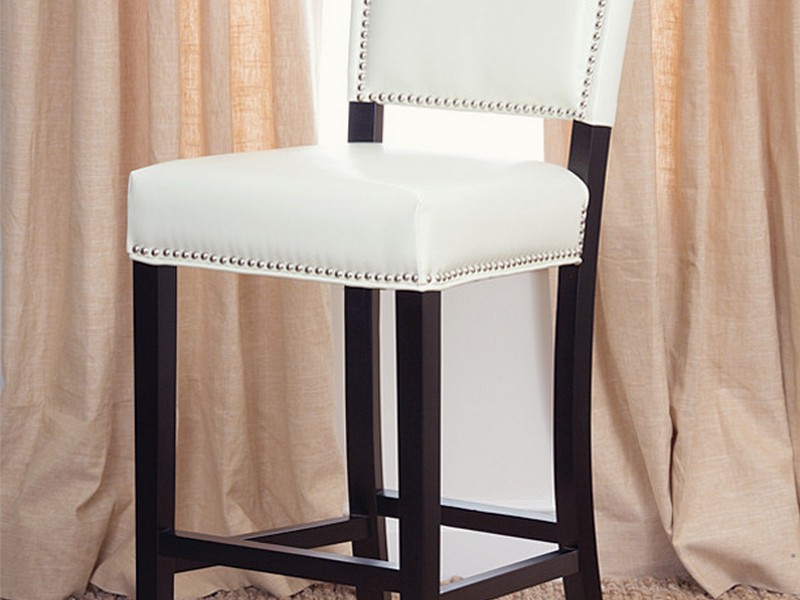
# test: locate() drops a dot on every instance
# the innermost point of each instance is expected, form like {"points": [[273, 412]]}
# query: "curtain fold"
{"points": [[697, 438], [91, 90]]}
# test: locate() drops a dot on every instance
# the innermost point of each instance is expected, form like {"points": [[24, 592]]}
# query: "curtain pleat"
{"points": [[91, 90]]}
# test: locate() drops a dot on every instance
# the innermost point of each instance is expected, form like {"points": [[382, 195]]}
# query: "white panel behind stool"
{"points": [[496, 411]]}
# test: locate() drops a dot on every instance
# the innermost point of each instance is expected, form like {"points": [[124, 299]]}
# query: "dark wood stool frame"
{"points": [[161, 551]]}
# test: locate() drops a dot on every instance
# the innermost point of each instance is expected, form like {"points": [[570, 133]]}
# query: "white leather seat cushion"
{"points": [[362, 214]]}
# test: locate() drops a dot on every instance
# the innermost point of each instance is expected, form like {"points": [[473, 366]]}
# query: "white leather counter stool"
{"points": [[372, 219]]}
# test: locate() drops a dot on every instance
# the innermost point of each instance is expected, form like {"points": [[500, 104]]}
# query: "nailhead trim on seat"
{"points": [[342, 276], [557, 112]]}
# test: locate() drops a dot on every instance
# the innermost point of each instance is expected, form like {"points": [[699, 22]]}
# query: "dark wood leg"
{"points": [[364, 466], [419, 436], [572, 434], [363, 417], [154, 297], [573, 371]]}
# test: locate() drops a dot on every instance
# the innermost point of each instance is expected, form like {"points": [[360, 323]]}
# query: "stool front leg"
{"points": [[155, 314], [418, 317]]}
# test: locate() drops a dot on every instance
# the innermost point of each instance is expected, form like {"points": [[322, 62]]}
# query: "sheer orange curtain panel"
{"points": [[90, 90], [697, 436]]}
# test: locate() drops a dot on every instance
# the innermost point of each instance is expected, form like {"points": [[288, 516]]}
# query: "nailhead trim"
{"points": [[345, 276], [594, 48], [472, 104]]}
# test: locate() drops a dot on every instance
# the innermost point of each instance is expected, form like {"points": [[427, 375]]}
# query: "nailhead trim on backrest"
{"points": [[557, 112]]}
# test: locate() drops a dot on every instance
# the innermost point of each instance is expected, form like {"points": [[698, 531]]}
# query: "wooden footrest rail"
{"points": [[207, 550], [513, 577], [315, 535], [289, 550], [202, 550], [486, 518]]}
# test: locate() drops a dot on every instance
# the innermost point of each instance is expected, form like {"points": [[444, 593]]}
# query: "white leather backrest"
{"points": [[552, 58]]}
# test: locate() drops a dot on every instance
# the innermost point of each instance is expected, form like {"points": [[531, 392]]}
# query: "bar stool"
{"points": [[373, 218]]}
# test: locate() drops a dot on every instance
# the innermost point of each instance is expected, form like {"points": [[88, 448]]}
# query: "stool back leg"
{"points": [[418, 322], [364, 466], [363, 423], [573, 371], [572, 436], [155, 312]]}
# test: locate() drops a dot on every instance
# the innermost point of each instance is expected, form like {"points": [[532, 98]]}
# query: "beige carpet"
{"points": [[633, 589]]}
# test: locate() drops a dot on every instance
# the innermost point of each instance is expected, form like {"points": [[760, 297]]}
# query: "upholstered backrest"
{"points": [[553, 58]]}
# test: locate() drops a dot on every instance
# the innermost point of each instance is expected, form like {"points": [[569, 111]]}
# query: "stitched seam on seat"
{"points": [[552, 111]]}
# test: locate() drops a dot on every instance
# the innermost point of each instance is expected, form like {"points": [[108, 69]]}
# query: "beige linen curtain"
{"points": [[90, 90], [697, 428]]}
